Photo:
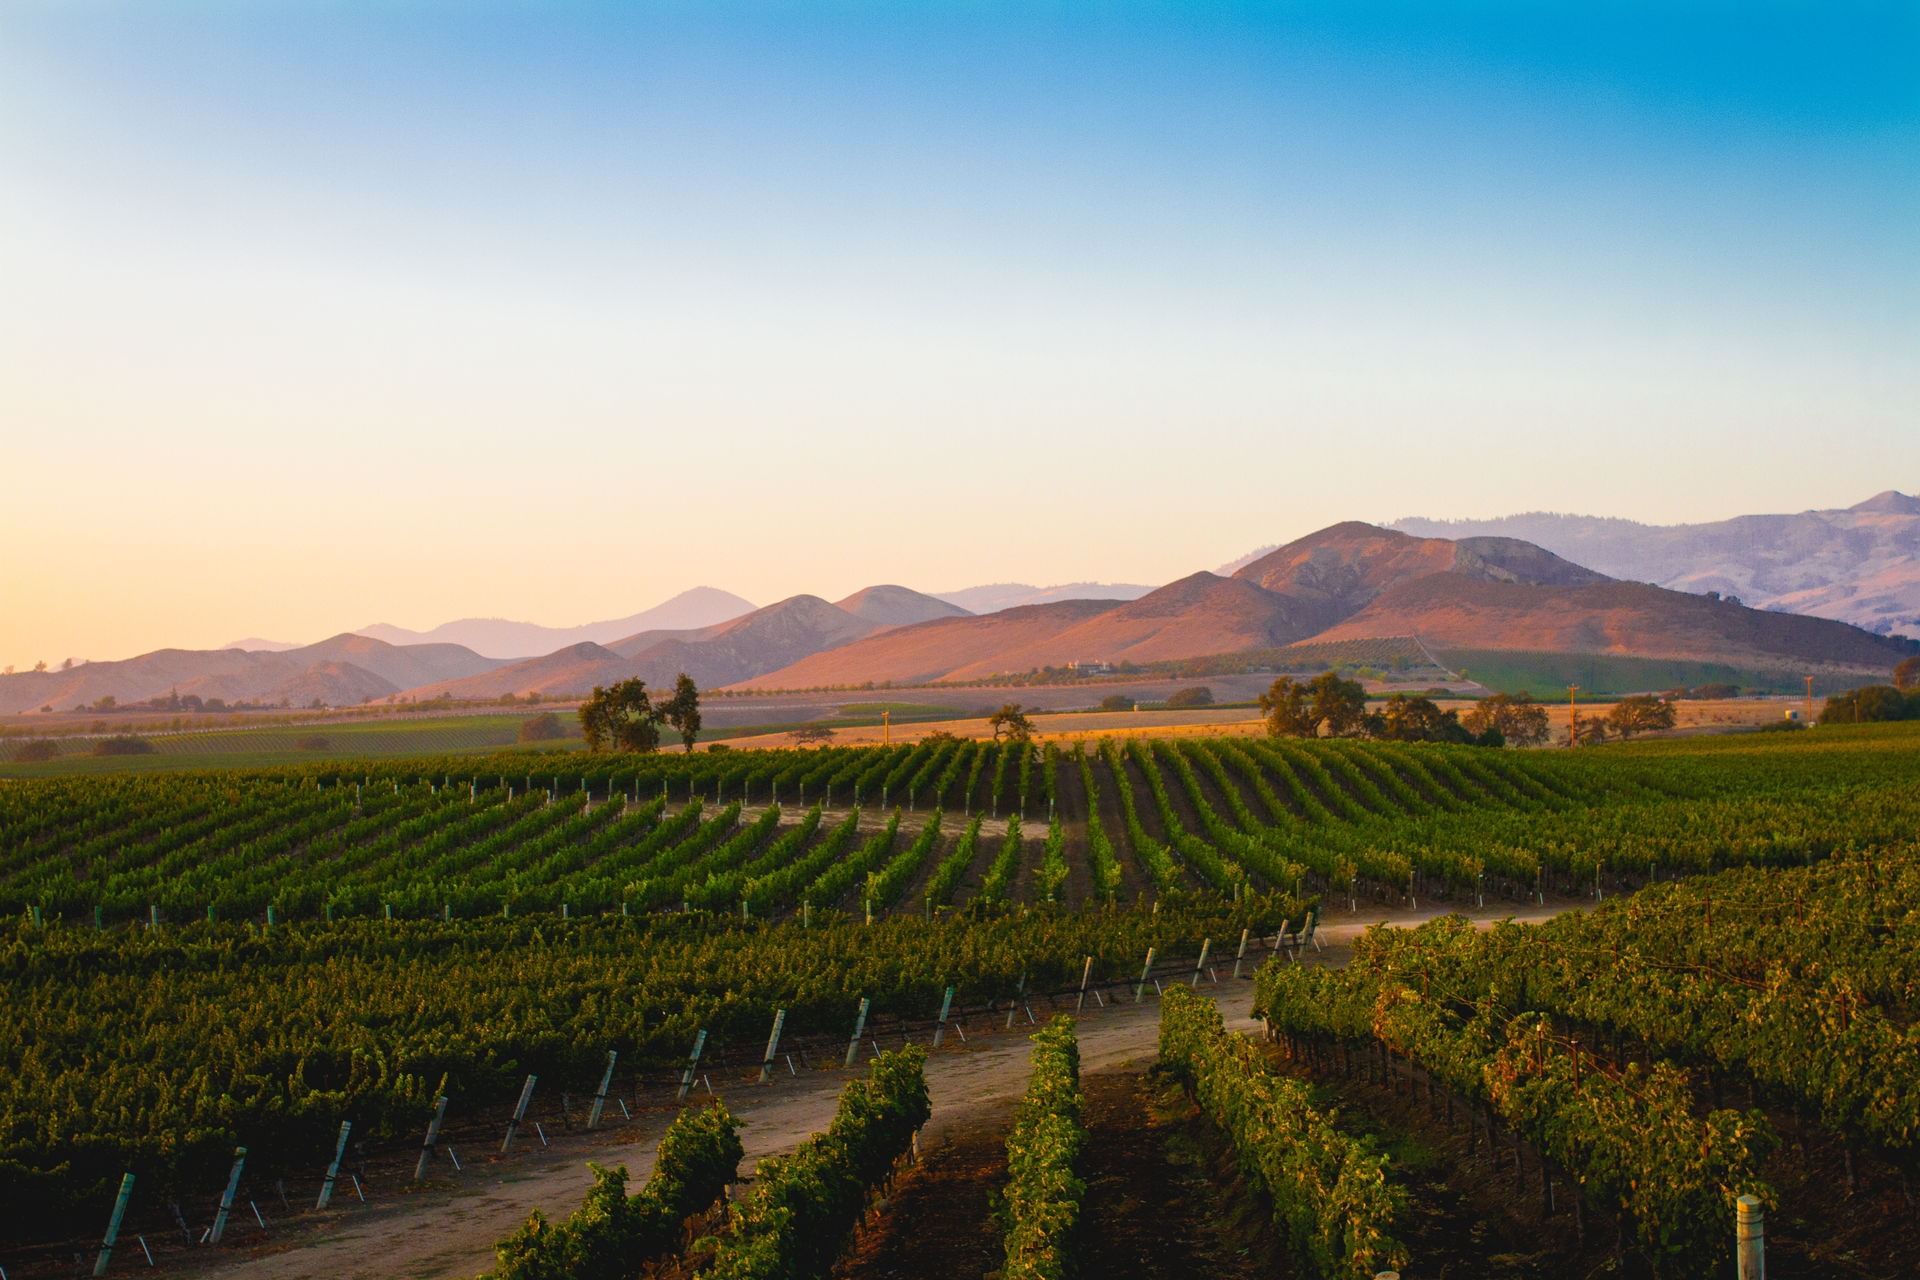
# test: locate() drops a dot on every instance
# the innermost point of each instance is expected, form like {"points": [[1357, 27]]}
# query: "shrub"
{"points": [[1116, 702], [1872, 704], [315, 742], [544, 727], [35, 750], [1197, 696], [123, 744]]}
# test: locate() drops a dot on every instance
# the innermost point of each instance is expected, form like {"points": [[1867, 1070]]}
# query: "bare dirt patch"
{"points": [[939, 1220]]}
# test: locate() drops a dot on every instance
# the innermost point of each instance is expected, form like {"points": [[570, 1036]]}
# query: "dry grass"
{"points": [[1080, 726]]}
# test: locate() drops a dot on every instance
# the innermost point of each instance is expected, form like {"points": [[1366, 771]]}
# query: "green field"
{"points": [[1542, 673], [281, 745]]}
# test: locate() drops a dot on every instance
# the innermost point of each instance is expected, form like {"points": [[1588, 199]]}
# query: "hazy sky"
{"points": [[316, 315]]}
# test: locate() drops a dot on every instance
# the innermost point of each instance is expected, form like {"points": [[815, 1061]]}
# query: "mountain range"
{"points": [[1471, 590], [501, 638], [343, 671], [1012, 595], [1859, 564], [1352, 582]]}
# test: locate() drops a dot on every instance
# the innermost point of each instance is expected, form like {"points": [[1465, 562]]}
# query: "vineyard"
{"points": [[195, 962], [915, 828], [1610, 1042]]}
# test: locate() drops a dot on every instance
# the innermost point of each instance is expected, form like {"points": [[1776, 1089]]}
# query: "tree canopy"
{"points": [[1641, 713], [1325, 703], [1339, 706], [1415, 719], [620, 717], [1868, 705], [1285, 705], [1012, 722], [682, 710], [1516, 717]]}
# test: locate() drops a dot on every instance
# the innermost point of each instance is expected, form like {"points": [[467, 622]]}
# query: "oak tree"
{"points": [[620, 717], [1011, 721], [1641, 713], [682, 710], [1515, 716]]}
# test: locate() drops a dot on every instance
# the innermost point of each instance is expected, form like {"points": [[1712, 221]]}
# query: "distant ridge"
{"points": [[892, 606], [1350, 581], [763, 640], [502, 638], [1013, 595], [1481, 589], [254, 644], [1858, 564], [342, 671]]}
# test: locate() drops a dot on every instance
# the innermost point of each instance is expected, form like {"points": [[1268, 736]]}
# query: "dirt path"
{"points": [[1154, 1203], [940, 1219], [450, 1231]]}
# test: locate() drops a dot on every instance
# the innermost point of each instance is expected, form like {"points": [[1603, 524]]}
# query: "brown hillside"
{"points": [[333, 684], [401, 665], [1334, 573], [574, 669], [1607, 617], [233, 674], [1203, 613], [929, 651], [761, 641], [1348, 582], [891, 606], [1288, 595], [764, 640]]}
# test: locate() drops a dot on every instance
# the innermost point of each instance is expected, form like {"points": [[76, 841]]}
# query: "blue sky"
{"points": [[401, 312]]}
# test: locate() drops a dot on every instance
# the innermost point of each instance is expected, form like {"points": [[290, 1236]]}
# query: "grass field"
{"points": [[1542, 674], [285, 745]]}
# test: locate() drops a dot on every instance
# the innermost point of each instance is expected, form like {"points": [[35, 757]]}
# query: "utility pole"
{"points": [[1573, 717], [886, 725], [1809, 700]]}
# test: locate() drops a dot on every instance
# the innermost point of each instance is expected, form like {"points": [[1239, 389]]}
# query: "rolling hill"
{"points": [[1858, 564], [764, 640], [1199, 613], [1610, 617], [933, 651], [1012, 595], [343, 670], [891, 606], [501, 638], [1349, 582]]}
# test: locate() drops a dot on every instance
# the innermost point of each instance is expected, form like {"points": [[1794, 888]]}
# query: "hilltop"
{"points": [[764, 640], [342, 671], [501, 638], [1347, 582], [1858, 564]]}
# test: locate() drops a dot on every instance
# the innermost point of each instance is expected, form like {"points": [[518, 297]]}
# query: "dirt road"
{"points": [[450, 1231]]}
